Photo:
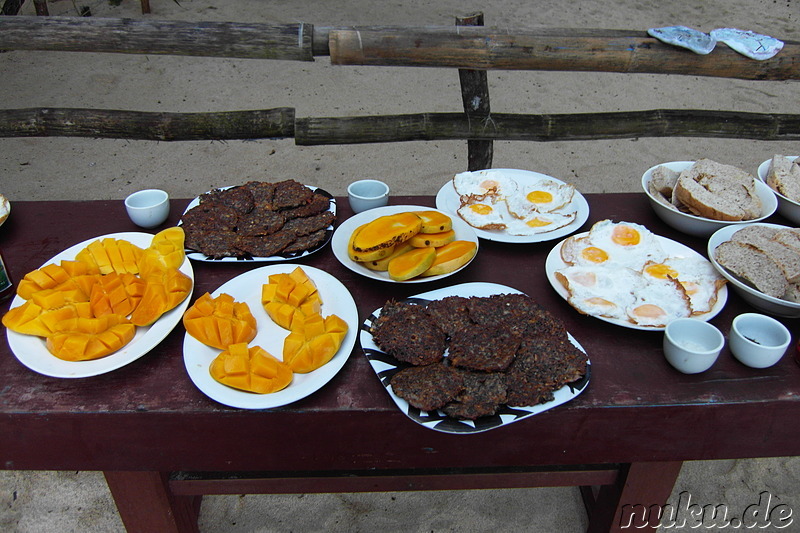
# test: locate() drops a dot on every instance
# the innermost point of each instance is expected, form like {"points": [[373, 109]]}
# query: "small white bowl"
{"points": [[148, 208], [692, 346], [786, 207], [758, 341], [701, 226], [367, 194], [756, 298]]}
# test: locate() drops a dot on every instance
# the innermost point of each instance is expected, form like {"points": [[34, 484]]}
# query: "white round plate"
{"points": [[197, 256], [336, 300], [385, 366], [759, 300], [672, 248], [341, 238], [447, 200], [32, 351]]}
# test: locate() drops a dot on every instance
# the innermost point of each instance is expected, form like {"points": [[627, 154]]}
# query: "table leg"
{"points": [[145, 503], [635, 501]]}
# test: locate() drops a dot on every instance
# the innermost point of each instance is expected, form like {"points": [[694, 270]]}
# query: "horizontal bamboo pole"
{"points": [[564, 49], [210, 39], [116, 124], [562, 127], [282, 123]]}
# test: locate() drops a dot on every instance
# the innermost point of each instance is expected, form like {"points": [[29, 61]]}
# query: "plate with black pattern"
{"points": [[386, 366], [199, 256]]}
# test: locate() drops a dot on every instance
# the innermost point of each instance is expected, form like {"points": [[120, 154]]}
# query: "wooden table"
{"points": [[162, 443]]}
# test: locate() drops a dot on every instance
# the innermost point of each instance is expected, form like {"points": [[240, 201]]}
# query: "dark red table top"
{"points": [[149, 415]]}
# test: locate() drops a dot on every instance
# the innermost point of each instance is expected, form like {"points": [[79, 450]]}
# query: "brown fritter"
{"points": [[306, 242], [209, 228], [483, 348], [264, 246], [410, 336], [260, 221], [428, 387], [543, 365], [315, 205], [483, 394], [239, 198], [263, 192], [450, 313], [306, 225], [290, 193]]}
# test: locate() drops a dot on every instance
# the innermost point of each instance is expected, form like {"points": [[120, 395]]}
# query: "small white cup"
{"points": [[367, 194], [758, 341], [692, 346], [148, 208]]}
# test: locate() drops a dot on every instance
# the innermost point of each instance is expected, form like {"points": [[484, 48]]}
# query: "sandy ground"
{"points": [[71, 168]]}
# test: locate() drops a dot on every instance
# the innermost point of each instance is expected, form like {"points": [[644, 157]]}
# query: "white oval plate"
{"points": [[341, 238], [759, 300], [672, 248], [197, 256], [32, 351], [336, 300], [447, 200], [385, 366]]}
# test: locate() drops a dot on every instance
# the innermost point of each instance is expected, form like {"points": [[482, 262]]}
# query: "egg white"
{"points": [[478, 185], [488, 214], [699, 279], [601, 291]]}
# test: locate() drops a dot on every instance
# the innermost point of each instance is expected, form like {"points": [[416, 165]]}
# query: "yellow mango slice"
{"points": [[434, 221], [411, 264], [451, 257], [387, 231], [219, 322], [361, 257], [250, 369], [382, 265], [423, 240]]}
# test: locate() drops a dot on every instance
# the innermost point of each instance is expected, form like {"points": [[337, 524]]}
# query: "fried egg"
{"points": [[541, 196], [479, 185], [625, 244], [699, 279], [658, 302], [538, 223], [487, 214], [600, 291]]}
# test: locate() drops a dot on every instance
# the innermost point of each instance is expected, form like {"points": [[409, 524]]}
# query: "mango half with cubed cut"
{"points": [[219, 322], [313, 345], [250, 369], [85, 339]]}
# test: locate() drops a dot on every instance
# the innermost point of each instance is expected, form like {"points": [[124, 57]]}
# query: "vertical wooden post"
{"points": [[145, 6], [475, 97]]}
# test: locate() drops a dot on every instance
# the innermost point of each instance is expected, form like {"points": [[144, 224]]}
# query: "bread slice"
{"points": [[784, 176], [753, 267], [762, 238], [789, 237], [719, 192]]}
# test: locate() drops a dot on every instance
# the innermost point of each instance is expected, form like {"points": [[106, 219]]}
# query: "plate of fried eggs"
{"points": [[624, 274], [514, 206]]}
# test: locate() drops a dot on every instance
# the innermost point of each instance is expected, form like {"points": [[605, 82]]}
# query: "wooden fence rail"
{"points": [[463, 47]]}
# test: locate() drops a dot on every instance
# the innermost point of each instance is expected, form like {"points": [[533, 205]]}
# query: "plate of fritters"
{"points": [[622, 273], [259, 221], [473, 357]]}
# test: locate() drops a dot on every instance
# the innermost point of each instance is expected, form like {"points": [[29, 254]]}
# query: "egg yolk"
{"points": [[490, 185], [596, 300], [594, 254], [539, 197], [625, 236], [661, 271], [537, 223], [690, 287], [481, 209], [649, 311]]}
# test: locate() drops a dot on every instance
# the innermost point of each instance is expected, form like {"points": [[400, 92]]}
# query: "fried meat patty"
{"points": [[484, 348], [428, 387], [409, 335], [483, 394]]}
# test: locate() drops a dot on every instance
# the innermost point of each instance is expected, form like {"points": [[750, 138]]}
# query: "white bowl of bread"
{"points": [[782, 174], [700, 197], [762, 263]]}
